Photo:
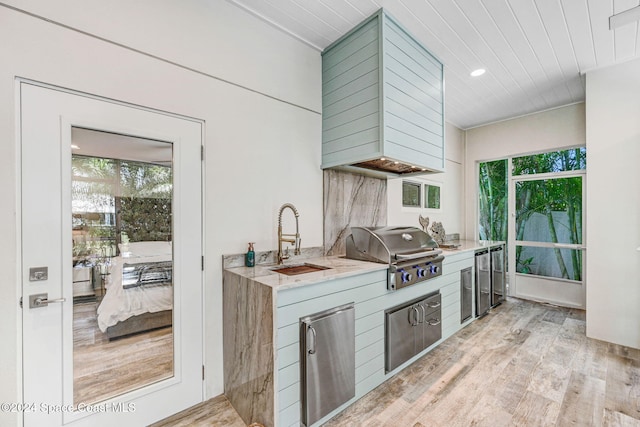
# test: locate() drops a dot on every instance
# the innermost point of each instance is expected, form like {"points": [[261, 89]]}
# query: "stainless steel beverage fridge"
{"points": [[498, 291], [483, 282]]}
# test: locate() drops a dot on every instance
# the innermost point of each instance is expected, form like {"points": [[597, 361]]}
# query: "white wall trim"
{"points": [[275, 25], [524, 115], [18, 231], [106, 99], [612, 65]]}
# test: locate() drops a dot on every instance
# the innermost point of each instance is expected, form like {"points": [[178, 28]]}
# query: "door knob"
{"points": [[42, 300]]}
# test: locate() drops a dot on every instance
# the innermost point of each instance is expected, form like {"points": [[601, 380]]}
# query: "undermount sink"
{"points": [[292, 270]]}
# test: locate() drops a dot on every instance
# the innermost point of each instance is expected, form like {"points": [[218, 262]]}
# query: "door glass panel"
{"points": [[493, 205], [549, 210], [122, 191], [549, 262]]}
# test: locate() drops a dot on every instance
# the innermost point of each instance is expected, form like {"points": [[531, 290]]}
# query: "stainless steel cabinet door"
{"points": [[431, 323], [400, 344], [428, 331], [329, 365]]}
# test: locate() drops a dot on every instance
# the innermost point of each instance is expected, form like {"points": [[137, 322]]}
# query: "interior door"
{"points": [[546, 244], [75, 255]]}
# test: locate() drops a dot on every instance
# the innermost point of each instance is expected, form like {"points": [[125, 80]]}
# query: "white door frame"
{"points": [[557, 291], [66, 123]]}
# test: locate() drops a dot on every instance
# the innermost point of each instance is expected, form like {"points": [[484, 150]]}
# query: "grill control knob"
{"points": [[406, 277], [434, 269], [422, 272]]}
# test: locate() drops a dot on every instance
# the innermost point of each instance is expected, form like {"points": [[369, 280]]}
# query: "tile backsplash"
{"points": [[351, 200]]}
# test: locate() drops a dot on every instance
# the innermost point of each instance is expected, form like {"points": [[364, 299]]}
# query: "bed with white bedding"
{"points": [[139, 296]]}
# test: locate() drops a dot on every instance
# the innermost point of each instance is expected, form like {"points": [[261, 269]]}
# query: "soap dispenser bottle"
{"points": [[250, 256]]}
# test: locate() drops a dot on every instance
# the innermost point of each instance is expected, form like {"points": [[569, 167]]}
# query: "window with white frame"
{"points": [[431, 196], [421, 194], [411, 192]]}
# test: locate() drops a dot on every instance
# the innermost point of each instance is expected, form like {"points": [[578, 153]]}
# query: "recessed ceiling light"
{"points": [[478, 72]]}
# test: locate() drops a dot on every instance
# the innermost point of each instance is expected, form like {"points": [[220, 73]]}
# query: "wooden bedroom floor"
{"points": [[103, 368], [524, 364]]}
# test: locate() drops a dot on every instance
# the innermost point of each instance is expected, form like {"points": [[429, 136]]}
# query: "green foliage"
{"points": [[553, 161], [546, 196], [523, 265], [543, 196], [93, 182], [432, 196], [145, 180], [493, 200], [141, 193], [145, 219]]}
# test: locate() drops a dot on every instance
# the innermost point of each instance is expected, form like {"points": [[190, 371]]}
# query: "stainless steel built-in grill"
{"points": [[413, 256]]}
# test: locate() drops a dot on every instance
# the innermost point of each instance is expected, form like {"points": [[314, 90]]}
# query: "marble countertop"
{"points": [[471, 245], [338, 267]]}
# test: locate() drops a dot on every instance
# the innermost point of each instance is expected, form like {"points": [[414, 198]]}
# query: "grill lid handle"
{"points": [[417, 254]]}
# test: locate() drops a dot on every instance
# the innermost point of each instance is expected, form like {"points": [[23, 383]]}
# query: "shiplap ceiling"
{"points": [[535, 51]]}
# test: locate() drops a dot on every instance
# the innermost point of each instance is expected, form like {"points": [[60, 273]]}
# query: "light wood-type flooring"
{"points": [[103, 368], [524, 364]]}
